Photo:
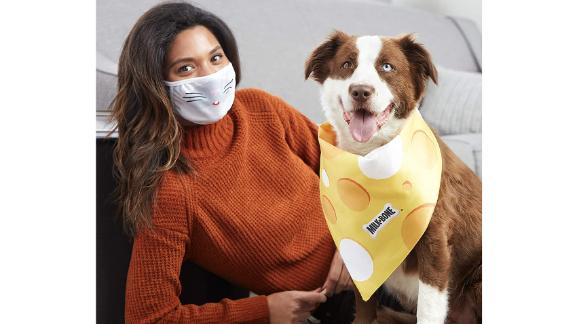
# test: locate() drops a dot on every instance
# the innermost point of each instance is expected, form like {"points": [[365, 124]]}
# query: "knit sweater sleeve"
{"points": [[153, 284], [301, 133]]}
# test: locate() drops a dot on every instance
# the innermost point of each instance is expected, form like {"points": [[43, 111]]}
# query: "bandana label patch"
{"points": [[378, 222]]}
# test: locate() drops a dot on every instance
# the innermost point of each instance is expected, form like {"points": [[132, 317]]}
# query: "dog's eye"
{"points": [[387, 67], [347, 65]]}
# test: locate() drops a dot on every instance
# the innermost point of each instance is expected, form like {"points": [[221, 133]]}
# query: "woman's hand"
{"points": [[293, 306], [338, 278]]}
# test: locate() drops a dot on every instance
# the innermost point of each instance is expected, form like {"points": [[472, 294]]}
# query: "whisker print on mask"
{"points": [[227, 87], [194, 97], [227, 84], [194, 100]]}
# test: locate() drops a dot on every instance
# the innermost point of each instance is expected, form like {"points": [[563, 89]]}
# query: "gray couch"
{"points": [[276, 36]]}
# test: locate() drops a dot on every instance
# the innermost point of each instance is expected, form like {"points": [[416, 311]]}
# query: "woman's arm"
{"points": [[301, 133], [153, 283]]}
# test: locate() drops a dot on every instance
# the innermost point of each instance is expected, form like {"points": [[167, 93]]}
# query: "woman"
{"points": [[227, 179]]}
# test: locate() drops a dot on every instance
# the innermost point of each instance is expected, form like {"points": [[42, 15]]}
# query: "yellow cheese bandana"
{"points": [[378, 206]]}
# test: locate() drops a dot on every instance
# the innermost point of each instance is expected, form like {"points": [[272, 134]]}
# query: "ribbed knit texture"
{"points": [[249, 212]]}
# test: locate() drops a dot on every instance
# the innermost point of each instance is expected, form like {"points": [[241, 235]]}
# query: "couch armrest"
{"points": [[468, 147]]}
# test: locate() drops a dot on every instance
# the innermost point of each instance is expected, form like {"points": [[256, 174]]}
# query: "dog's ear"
{"points": [[317, 64], [421, 66]]}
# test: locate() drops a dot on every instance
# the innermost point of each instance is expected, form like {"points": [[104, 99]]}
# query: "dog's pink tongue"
{"points": [[362, 125]]}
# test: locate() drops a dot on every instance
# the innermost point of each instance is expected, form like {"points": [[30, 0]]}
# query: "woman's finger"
{"points": [[348, 282], [343, 281], [333, 275]]}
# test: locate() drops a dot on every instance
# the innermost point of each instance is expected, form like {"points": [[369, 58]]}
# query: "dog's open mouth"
{"points": [[364, 124]]}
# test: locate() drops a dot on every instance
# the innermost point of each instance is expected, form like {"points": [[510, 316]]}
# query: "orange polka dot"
{"points": [[329, 211], [415, 224], [423, 149], [353, 194], [407, 185]]}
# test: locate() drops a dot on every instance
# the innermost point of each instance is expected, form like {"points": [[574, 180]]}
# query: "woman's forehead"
{"points": [[195, 42]]}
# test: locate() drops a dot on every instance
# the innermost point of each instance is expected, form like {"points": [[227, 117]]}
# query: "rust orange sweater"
{"points": [[250, 213]]}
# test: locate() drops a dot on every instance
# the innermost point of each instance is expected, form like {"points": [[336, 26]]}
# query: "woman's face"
{"points": [[195, 52]]}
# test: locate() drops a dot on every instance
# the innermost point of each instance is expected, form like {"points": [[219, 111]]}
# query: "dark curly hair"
{"points": [[149, 134]]}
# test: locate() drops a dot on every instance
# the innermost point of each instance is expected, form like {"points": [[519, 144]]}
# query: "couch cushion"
{"points": [[454, 106], [468, 147]]}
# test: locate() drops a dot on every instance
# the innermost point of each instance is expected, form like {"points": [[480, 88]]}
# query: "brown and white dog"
{"points": [[370, 85]]}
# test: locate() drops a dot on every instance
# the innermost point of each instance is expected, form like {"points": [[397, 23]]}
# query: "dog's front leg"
{"points": [[434, 273], [365, 311]]}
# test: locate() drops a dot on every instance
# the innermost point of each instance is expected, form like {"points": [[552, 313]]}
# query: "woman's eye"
{"points": [[185, 68], [387, 67], [216, 58], [347, 65]]}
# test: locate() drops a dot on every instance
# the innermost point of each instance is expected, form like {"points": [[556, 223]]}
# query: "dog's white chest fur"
{"points": [[404, 286]]}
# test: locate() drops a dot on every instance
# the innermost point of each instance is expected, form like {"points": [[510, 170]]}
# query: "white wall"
{"points": [[471, 9]]}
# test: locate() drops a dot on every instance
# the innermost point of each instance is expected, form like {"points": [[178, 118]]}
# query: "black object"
{"points": [[338, 309], [341, 308], [113, 250], [388, 300]]}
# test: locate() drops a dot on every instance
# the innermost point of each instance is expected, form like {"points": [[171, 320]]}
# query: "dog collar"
{"points": [[378, 206]]}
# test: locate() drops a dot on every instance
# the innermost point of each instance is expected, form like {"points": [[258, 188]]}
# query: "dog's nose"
{"points": [[361, 92]]}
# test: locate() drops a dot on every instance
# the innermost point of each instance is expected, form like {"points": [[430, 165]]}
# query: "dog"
{"points": [[369, 87]]}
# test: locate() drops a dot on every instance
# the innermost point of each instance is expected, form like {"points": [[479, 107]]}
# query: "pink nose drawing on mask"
{"points": [[215, 103]]}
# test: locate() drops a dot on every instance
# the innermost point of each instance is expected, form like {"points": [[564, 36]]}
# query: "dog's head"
{"points": [[370, 84]]}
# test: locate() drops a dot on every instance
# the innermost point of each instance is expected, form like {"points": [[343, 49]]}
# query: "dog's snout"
{"points": [[361, 92]]}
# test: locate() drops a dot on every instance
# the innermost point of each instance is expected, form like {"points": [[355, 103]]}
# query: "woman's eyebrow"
{"points": [[215, 49], [184, 59]]}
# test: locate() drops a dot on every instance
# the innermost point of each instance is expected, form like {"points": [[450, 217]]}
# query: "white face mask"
{"points": [[204, 100]]}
